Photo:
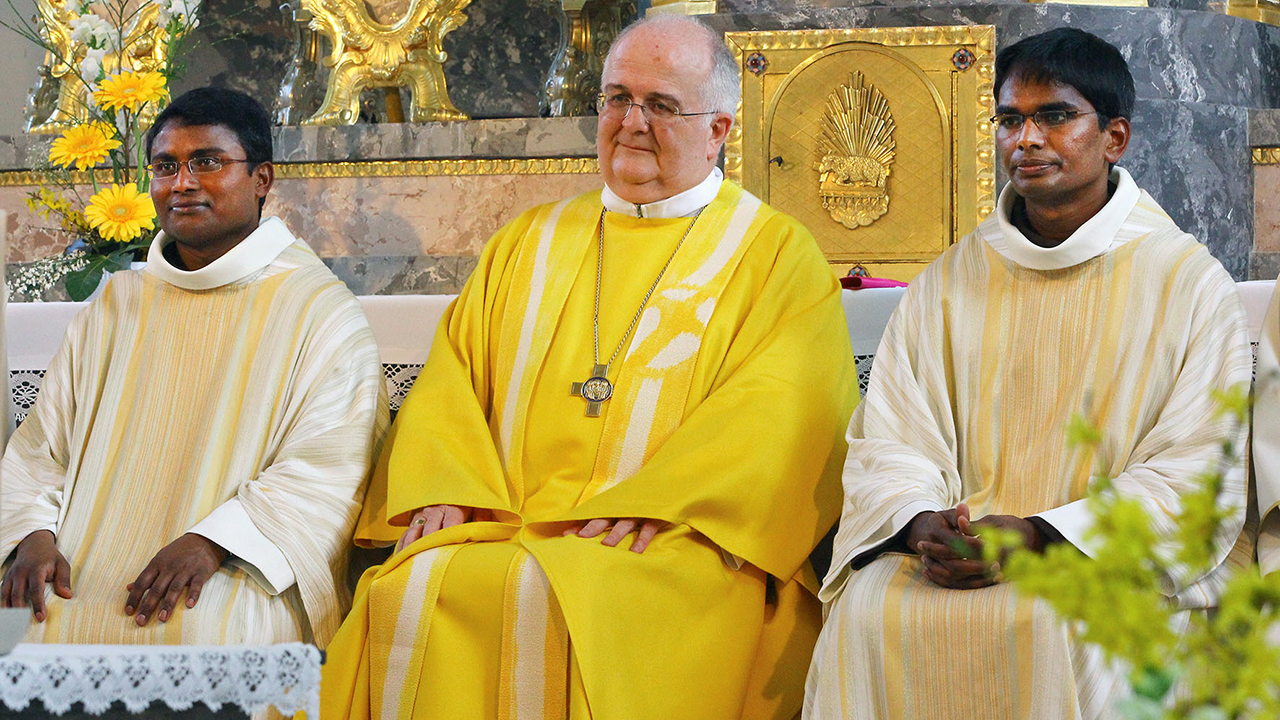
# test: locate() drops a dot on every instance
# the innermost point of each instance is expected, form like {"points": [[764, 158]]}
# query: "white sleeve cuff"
{"points": [[229, 526], [1073, 520]]}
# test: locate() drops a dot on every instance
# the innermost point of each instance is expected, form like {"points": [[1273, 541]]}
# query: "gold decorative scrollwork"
{"points": [[857, 149], [588, 28], [1266, 156], [366, 54], [145, 45]]}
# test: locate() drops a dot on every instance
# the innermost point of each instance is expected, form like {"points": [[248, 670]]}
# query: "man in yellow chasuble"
{"points": [[1079, 295], [197, 457], [623, 447]]}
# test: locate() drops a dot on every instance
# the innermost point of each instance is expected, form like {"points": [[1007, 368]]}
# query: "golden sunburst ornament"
{"points": [[130, 90], [83, 146], [120, 213]]}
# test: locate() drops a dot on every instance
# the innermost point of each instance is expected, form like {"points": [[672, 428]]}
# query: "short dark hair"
{"points": [[231, 109], [1086, 62]]}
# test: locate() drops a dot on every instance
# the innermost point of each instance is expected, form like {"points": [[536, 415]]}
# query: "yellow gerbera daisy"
{"points": [[120, 213], [83, 146], [130, 90]]}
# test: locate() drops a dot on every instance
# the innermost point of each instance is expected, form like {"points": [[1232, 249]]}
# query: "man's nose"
{"points": [[1030, 135], [185, 179], [636, 119]]}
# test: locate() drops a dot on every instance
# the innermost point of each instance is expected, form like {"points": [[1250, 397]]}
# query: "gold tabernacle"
{"points": [[877, 139]]}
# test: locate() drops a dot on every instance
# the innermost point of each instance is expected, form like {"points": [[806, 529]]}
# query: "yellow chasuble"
{"points": [[996, 346], [729, 401], [241, 402]]}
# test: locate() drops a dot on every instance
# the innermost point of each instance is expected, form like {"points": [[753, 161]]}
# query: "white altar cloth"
{"points": [[286, 676]]}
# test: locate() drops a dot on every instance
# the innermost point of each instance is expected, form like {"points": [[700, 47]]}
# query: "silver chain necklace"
{"points": [[597, 388]]}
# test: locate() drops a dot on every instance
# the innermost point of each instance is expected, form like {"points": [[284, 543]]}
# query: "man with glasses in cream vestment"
{"points": [[195, 463], [1078, 296], [606, 482]]}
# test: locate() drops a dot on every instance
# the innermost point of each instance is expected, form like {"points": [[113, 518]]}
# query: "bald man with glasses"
{"points": [[606, 482]]}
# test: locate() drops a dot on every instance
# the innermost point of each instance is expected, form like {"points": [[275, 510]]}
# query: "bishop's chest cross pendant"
{"points": [[595, 390]]}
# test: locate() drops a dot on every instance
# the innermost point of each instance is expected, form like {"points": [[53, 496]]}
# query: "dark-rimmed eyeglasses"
{"points": [[618, 106], [197, 166], [1045, 119]]}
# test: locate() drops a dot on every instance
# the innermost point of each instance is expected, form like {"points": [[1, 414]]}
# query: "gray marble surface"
{"points": [[513, 138], [403, 274], [1264, 127], [1195, 161], [1174, 54], [532, 137], [497, 61], [1264, 266]]}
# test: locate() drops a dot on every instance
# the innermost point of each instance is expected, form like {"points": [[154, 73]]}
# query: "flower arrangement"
{"points": [[1226, 666], [122, 54]]}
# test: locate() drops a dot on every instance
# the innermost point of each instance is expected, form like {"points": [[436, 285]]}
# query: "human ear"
{"points": [[720, 126], [1118, 132], [264, 176]]}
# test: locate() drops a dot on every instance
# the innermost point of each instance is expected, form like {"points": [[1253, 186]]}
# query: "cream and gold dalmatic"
{"points": [[990, 354], [241, 401]]}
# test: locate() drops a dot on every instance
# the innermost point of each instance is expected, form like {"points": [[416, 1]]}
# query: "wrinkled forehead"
{"points": [[673, 64]]}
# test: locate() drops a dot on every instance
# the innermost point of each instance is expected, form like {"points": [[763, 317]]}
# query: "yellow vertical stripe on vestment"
{"points": [[994, 328], [895, 683], [533, 303], [556, 660]]}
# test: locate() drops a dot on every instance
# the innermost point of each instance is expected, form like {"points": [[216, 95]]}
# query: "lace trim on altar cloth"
{"points": [[399, 378], [285, 676]]}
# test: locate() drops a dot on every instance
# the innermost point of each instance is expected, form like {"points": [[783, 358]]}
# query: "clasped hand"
{"points": [[947, 542], [437, 517]]}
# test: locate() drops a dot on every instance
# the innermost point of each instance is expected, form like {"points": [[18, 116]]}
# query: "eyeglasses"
{"points": [[1045, 119], [618, 107], [197, 166]]}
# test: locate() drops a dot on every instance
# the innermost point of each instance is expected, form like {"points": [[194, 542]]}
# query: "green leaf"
{"points": [[81, 283]]}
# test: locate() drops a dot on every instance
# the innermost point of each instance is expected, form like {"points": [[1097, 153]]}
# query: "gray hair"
{"points": [[723, 90]]}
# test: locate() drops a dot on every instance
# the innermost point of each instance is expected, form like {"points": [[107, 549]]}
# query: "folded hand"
{"points": [[621, 527], [184, 564]]}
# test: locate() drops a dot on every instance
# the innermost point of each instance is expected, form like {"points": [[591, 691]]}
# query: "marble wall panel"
{"points": [[1266, 223], [1264, 127], [1195, 160], [410, 216], [514, 138], [430, 216]]}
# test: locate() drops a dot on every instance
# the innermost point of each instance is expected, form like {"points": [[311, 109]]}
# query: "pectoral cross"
{"points": [[595, 390]]}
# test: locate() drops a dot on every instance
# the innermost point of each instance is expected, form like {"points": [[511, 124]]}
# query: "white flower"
{"points": [[107, 36], [91, 67], [72, 6], [185, 8], [89, 29], [82, 28]]}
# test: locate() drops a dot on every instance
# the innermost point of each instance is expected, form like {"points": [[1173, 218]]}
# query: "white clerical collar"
{"points": [[250, 256], [1088, 241], [684, 204]]}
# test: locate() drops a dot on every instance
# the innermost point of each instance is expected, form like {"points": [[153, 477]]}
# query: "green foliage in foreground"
{"points": [[1224, 667]]}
